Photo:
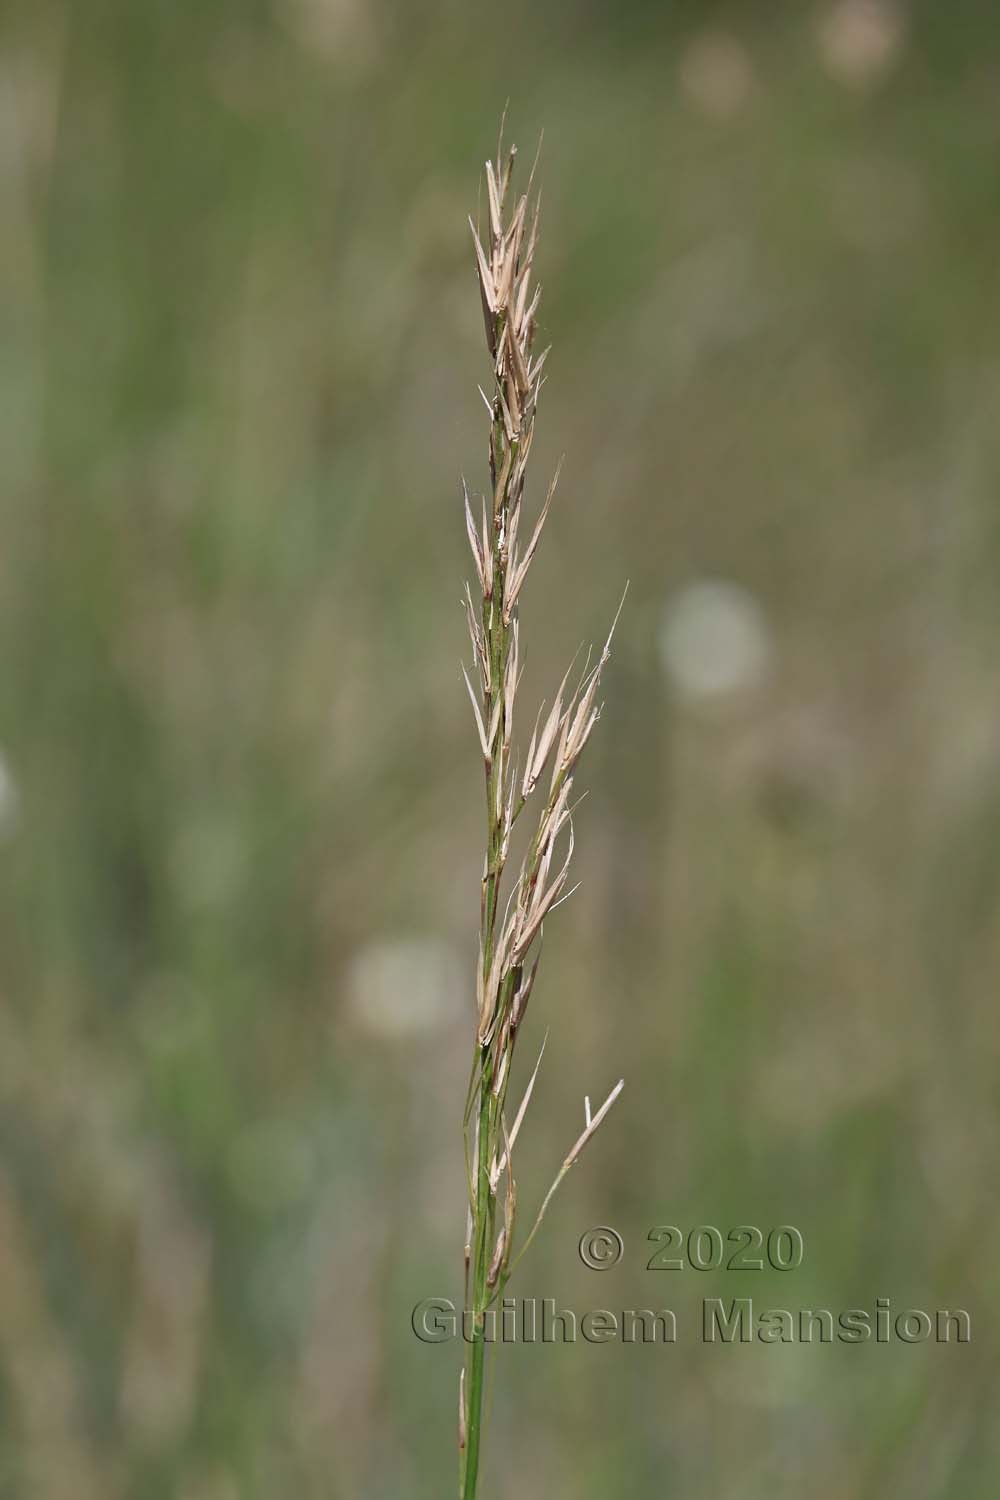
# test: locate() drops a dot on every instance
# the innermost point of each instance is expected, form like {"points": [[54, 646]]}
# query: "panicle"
{"points": [[503, 544]]}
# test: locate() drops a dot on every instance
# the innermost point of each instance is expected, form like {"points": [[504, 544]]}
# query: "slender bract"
{"points": [[503, 544]]}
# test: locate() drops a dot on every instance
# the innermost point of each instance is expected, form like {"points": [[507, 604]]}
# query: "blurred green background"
{"points": [[240, 799]]}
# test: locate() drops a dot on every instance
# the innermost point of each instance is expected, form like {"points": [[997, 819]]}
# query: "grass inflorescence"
{"points": [[503, 545]]}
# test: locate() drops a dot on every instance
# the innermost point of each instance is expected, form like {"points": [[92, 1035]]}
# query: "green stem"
{"points": [[484, 1224], [496, 638]]}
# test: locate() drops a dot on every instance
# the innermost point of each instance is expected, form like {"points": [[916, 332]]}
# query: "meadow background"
{"points": [[240, 797]]}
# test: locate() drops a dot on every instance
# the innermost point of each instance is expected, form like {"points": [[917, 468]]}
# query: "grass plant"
{"points": [[512, 913]]}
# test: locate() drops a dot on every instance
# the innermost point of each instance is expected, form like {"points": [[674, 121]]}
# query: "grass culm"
{"points": [[512, 912]]}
